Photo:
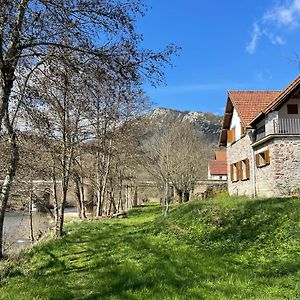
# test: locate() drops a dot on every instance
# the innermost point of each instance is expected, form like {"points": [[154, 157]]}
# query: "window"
{"points": [[233, 172], [245, 169], [240, 170], [231, 136], [292, 109], [262, 159]]}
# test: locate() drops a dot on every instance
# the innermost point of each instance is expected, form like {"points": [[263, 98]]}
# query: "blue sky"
{"points": [[226, 45]]}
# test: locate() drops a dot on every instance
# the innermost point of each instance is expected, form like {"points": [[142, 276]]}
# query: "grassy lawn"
{"points": [[217, 249]]}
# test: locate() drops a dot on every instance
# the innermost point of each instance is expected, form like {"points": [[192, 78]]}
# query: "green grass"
{"points": [[218, 249]]}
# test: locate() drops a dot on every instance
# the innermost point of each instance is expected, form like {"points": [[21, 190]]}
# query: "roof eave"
{"points": [[295, 85], [258, 118]]}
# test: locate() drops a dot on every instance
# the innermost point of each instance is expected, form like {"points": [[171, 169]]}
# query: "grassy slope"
{"points": [[225, 249]]}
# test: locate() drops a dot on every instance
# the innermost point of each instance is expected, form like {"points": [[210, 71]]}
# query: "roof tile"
{"points": [[250, 104], [218, 167]]}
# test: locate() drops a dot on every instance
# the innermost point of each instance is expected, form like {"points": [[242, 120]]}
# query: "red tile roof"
{"points": [[218, 167], [249, 104]]}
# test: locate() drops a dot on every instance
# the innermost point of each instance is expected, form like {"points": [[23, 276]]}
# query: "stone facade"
{"points": [[279, 178], [263, 176], [285, 172], [270, 149], [237, 151]]}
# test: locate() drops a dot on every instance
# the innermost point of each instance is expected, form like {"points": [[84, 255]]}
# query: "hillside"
{"points": [[218, 249], [207, 123]]}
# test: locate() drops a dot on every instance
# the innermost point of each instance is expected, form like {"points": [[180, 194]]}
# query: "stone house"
{"points": [[261, 133], [217, 168]]}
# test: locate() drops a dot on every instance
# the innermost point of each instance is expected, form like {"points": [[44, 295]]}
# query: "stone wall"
{"points": [[208, 188], [278, 179], [238, 151], [282, 176], [286, 165], [264, 182]]}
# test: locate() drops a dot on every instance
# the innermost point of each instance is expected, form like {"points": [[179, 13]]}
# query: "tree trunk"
{"points": [[61, 211], [82, 198], [186, 196], [112, 204], [104, 182], [135, 197], [77, 196], [67, 161], [127, 197], [98, 185], [54, 192], [166, 199], [179, 195], [31, 234], [5, 190], [120, 204]]}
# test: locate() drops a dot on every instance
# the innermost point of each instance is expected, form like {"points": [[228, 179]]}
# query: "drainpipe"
{"points": [[251, 133], [254, 173]]}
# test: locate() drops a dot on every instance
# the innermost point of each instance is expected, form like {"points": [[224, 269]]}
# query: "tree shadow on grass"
{"points": [[127, 260]]}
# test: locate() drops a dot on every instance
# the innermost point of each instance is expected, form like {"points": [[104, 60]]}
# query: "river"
{"points": [[17, 228]]}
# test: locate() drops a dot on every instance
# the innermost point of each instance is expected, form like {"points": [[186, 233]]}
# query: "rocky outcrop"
{"points": [[207, 123]]}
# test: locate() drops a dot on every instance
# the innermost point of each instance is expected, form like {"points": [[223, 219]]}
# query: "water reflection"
{"points": [[17, 228]]}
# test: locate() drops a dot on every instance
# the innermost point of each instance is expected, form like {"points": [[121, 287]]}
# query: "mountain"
{"points": [[207, 123]]}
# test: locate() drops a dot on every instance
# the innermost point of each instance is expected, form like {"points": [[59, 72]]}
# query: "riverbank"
{"points": [[17, 228], [224, 249]]}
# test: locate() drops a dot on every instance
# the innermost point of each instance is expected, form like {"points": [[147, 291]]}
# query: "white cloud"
{"points": [[274, 23], [263, 75], [256, 34], [287, 15], [277, 40]]}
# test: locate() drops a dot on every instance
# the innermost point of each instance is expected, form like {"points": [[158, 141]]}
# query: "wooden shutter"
{"points": [[257, 160], [267, 157], [240, 170], [229, 136], [247, 168], [231, 173], [233, 134]]}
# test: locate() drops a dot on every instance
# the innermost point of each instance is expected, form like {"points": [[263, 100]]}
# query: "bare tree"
{"points": [[31, 33], [188, 155], [155, 161], [56, 107], [177, 156]]}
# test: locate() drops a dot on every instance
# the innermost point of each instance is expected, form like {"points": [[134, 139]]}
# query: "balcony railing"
{"points": [[287, 126], [280, 126]]}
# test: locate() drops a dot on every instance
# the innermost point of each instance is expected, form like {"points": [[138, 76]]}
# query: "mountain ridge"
{"points": [[206, 122]]}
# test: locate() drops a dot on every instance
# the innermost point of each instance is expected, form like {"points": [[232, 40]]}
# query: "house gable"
{"points": [[290, 94], [247, 104], [292, 90], [290, 109]]}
